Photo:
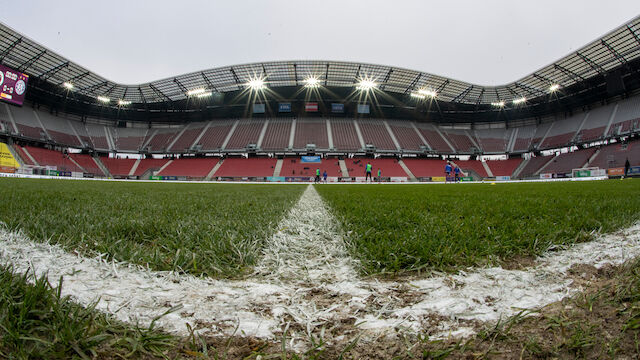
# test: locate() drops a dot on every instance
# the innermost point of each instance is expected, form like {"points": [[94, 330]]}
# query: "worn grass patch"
{"points": [[212, 229], [444, 227]]}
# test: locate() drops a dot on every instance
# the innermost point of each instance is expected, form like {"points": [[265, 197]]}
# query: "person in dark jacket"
{"points": [[626, 168]]}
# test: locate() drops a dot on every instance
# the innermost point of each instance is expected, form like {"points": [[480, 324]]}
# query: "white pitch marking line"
{"points": [[306, 275]]}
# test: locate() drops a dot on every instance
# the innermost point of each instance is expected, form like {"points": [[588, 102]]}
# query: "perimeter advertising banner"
{"points": [[13, 85], [7, 162]]}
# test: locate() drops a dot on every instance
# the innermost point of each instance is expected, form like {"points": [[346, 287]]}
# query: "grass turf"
{"points": [[444, 227], [211, 229]]}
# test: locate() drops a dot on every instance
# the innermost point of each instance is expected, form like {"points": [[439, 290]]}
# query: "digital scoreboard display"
{"points": [[13, 85]]}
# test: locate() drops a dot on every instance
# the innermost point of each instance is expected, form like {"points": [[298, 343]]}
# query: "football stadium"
{"points": [[320, 209]]}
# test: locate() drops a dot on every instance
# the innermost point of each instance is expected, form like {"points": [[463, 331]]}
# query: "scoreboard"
{"points": [[13, 85]]}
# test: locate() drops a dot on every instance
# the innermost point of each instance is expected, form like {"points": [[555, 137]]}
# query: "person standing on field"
{"points": [[626, 167], [457, 172], [379, 175], [324, 176], [317, 179], [447, 171], [367, 175]]}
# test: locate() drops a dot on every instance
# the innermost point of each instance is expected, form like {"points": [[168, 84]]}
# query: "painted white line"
{"points": [[307, 280]]}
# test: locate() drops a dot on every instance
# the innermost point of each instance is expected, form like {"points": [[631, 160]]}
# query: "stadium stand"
{"points": [[129, 139], [186, 139], [59, 129], [161, 139], [87, 163], [460, 140], [595, 124], [147, 166], [473, 165], [504, 167], [615, 155], [197, 168], [627, 117], [389, 167], [251, 167], [541, 132], [562, 132], [311, 131], [247, 132], [81, 130], [435, 140], [533, 166], [214, 136], [27, 123], [276, 136], [374, 132], [98, 136], [524, 136], [23, 154], [493, 140], [564, 163], [118, 167], [406, 135], [292, 166], [46, 157], [425, 167], [344, 135]]}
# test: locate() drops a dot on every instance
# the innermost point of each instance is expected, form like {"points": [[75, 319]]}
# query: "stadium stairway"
{"points": [[16, 154], [134, 167], [278, 168], [213, 171], [406, 169], [518, 170], [486, 168], [343, 168], [102, 167]]}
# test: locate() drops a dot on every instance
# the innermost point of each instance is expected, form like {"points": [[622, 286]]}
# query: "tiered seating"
{"points": [[46, 157], [374, 132], [190, 167], [161, 139], [566, 162], [459, 140], [149, 165], [5, 120], [534, 165], [627, 117], [595, 124], [406, 135], [292, 166], [615, 155], [504, 167], [251, 167], [434, 139], [129, 139], [213, 138], [425, 167], [474, 165], [59, 129], [27, 123], [541, 130], [247, 132], [277, 135], [186, 139], [81, 130], [118, 167], [390, 167], [98, 136], [87, 163], [493, 140], [562, 132], [311, 131], [344, 135], [523, 138], [25, 158]]}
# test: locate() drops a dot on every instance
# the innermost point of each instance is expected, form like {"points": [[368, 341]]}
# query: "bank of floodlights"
{"points": [[312, 82], [104, 99]]}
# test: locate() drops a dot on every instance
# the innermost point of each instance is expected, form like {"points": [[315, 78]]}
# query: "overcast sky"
{"points": [[482, 42]]}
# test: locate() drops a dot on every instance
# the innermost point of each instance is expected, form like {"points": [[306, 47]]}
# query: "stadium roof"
{"points": [[612, 50]]}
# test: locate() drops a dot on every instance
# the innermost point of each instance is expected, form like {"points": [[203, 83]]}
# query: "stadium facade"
{"points": [[271, 112]]}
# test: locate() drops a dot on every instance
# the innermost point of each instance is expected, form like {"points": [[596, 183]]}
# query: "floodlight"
{"points": [[68, 85], [256, 84], [195, 92], [498, 104], [312, 82], [123, 102], [427, 92], [418, 96], [104, 99], [366, 85], [554, 87], [204, 94], [519, 100]]}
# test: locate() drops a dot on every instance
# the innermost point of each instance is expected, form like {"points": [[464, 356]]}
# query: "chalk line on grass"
{"points": [[306, 281]]}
